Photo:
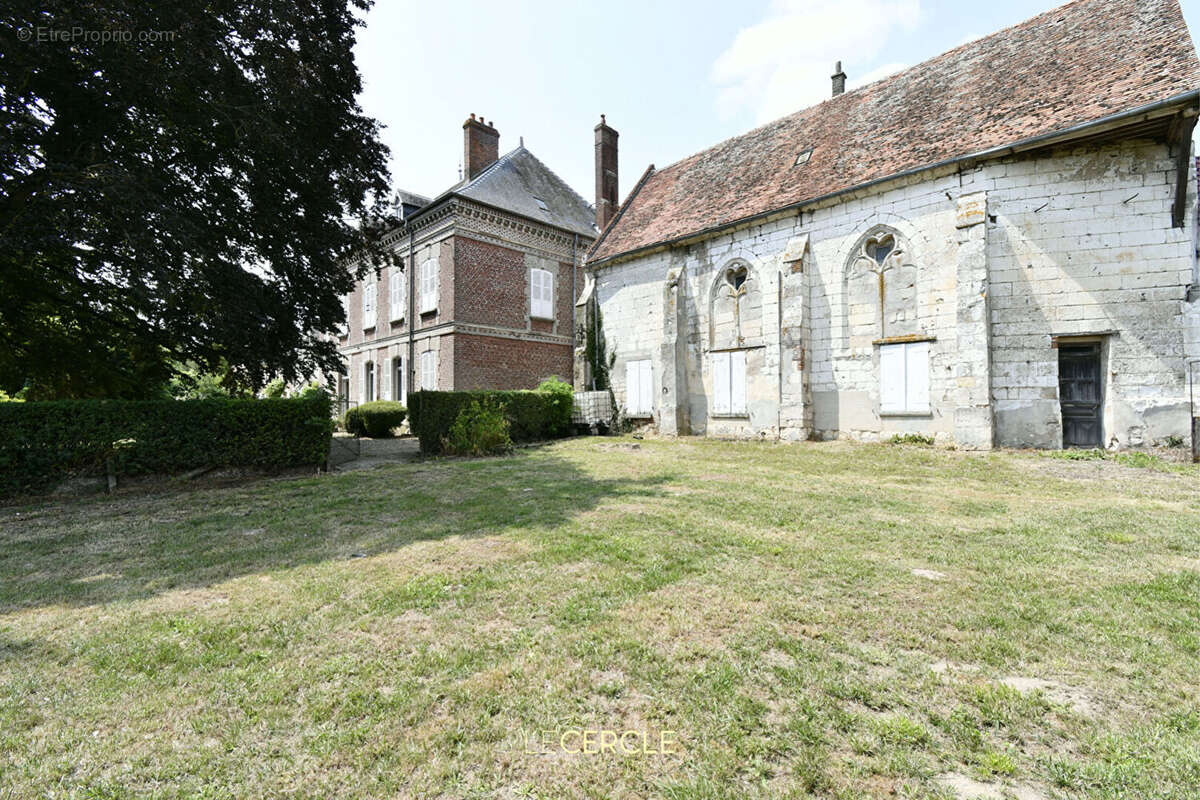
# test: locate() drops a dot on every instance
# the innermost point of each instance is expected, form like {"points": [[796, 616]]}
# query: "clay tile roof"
{"points": [[1075, 64]]}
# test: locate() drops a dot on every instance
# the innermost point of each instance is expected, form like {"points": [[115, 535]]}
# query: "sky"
{"points": [[673, 76]]}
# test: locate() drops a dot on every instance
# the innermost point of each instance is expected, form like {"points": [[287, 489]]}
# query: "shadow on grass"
{"points": [[126, 548]]}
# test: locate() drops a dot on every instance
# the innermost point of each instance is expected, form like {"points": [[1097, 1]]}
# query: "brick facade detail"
{"points": [[493, 282], [489, 362]]}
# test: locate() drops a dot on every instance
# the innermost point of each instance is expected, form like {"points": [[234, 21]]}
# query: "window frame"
{"points": [[370, 305], [397, 295], [910, 360], [729, 375], [541, 294], [639, 383], [369, 382], [399, 393], [428, 371], [428, 285]]}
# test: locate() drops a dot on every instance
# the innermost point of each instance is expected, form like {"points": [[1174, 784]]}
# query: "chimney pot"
{"points": [[606, 174], [839, 79]]}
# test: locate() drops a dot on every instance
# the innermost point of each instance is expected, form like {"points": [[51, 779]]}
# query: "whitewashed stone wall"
{"points": [[1007, 255], [1082, 243]]}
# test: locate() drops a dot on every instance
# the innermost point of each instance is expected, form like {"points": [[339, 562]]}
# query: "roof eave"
{"points": [[1062, 136]]}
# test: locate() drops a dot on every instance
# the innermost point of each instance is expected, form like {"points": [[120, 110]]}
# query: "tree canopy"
{"points": [[180, 182]]}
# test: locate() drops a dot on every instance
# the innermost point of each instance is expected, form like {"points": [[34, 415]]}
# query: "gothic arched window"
{"points": [[883, 285]]}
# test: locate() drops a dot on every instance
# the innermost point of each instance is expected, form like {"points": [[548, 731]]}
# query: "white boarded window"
{"points": [[368, 304], [428, 285], [904, 378], [541, 293], [639, 388], [397, 297], [428, 370], [729, 382]]}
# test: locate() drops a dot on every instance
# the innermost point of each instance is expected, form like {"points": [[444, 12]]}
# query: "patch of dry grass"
{"points": [[410, 631]]}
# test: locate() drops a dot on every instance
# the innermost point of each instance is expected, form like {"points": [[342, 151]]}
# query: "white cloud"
{"points": [[783, 63]]}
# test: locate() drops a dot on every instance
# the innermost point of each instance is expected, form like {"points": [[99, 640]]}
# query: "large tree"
{"points": [[180, 180]]}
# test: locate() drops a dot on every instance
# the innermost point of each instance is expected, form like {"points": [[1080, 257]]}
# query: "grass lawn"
{"points": [[434, 629]]}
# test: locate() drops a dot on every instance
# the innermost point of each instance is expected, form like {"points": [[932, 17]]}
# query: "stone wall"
{"points": [[1081, 242], [997, 261]]}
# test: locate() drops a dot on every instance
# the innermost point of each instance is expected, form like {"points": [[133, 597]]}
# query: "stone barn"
{"points": [[994, 247]]}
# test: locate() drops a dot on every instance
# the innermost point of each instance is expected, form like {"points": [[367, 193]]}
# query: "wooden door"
{"points": [[1080, 393]]}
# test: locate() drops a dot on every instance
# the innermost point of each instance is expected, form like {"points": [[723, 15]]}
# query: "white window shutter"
{"points": [[891, 378], [633, 376], [916, 375], [720, 365], [737, 382], [428, 284], [541, 293], [396, 293], [646, 388]]}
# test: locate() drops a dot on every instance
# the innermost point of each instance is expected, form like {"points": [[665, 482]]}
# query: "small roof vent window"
{"points": [[803, 157], [541, 204]]}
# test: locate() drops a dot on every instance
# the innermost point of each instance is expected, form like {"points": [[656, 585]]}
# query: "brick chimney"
{"points": [[606, 174], [839, 80], [481, 146]]}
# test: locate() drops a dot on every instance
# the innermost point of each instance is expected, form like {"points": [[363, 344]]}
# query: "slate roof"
{"points": [[1078, 63], [516, 182]]}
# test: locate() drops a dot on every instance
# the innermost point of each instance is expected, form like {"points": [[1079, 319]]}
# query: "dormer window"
{"points": [[802, 157], [541, 204]]}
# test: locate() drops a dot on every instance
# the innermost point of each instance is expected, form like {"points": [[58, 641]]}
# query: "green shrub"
{"points": [[531, 415], [912, 438], [562, 402], [375, 419], [43, 443], [480, 429], [275, 389]]}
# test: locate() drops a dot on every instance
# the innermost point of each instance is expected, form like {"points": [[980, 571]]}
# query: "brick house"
{"points": [[994, 247], [482, 292]]}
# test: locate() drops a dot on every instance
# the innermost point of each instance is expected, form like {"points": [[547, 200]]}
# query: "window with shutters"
{"points": [[729, 383], [541, 294], [639, 388], [369, 382], [428, 285], [398, 392], [397, 297], [368, 304], [904, 378], [429, 370]]}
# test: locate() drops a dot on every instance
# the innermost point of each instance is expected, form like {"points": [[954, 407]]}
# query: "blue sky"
{"points": [[673, 77]]}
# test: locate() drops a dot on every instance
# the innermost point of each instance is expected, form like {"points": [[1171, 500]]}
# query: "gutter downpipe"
{"points": [[412, 323], [574, 291]]}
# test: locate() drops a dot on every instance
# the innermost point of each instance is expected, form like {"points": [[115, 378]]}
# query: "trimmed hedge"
{"points": [[375, 419], [43, 443], [531, 415]]}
